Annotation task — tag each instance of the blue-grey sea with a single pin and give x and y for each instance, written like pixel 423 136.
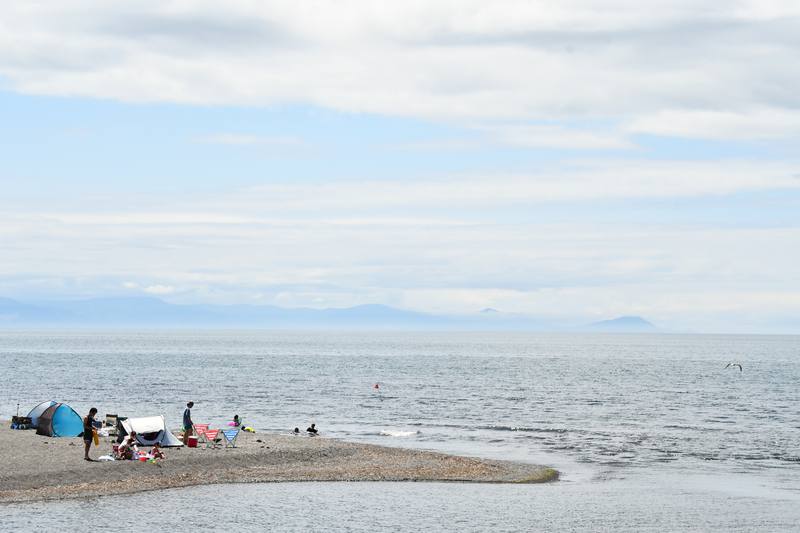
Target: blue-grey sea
pixel 650 432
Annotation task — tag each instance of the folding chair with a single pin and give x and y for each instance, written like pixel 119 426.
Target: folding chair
pixel 198 430
pixel 229 437
pixel 210 438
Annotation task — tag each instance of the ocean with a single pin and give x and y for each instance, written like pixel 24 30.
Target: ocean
pixel 649 432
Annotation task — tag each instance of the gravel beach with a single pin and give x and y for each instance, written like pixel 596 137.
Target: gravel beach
pixel 41 468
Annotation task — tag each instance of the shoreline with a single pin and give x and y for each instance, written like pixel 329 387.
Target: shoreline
pixel 38 468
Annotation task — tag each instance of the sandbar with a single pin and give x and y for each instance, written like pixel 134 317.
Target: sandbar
pixel 34 468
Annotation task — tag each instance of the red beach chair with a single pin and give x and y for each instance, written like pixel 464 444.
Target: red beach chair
pixel 210 437
pixel 199 429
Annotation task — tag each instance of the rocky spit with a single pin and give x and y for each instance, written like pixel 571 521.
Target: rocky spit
pixel 33 467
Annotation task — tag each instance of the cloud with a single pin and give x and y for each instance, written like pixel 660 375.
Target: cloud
pixel 159 289
pixel 452 246
pixel 578 181
pixel 548 136
pixel 681 276
pixel 687 62
pixel 762 123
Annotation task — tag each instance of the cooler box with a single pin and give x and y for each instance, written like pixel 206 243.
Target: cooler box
pixel 192 442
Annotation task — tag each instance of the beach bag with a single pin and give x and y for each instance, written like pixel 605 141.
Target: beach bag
pixel 21 422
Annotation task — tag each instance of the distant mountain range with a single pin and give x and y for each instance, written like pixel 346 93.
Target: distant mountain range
pixel 152 312
pixel 623 324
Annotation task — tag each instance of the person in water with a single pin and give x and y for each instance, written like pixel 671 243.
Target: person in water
pixel 236 421
pixel 88 433
pixel 296 431
pixel 312 430
pixel 187 422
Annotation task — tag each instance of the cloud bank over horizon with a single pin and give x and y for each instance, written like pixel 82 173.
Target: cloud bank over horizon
pixel 564 160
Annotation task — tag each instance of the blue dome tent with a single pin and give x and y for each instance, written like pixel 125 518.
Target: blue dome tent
pixel 60 420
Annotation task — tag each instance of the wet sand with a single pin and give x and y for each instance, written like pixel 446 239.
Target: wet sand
pixel 41 468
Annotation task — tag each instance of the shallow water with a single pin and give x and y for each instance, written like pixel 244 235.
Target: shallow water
pixel 643 506
pixel 646 429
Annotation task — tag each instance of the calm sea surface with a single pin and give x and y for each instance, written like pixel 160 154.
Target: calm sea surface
pixel 650 432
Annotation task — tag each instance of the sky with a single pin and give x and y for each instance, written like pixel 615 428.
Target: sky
pixel 568 160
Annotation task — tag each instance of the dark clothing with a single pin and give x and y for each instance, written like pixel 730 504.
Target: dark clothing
pixel 88 425
pixel 187 419
pixel 312 430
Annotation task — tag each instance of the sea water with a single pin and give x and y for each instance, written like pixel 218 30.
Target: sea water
pixel 650 432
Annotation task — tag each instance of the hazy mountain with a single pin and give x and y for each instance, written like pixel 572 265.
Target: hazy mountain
pixel 623 324
pixel 151 312
pixel 14 312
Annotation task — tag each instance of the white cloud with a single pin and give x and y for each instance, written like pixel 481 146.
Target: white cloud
pixel 521 60
pixel 432 201
pixel 443 201
pixel 579 181
pixel 490 257
pixel 763 123
pixel 683 277
pixel 160 289
pixel 548 136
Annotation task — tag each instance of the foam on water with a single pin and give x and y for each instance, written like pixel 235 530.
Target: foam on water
pixel 398 433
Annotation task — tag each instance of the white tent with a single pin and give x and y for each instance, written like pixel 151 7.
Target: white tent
pixel 150 430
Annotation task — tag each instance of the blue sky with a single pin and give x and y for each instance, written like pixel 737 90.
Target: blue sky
pixel 573 162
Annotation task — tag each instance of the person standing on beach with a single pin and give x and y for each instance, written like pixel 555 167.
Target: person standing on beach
pixel 88 432
pixel 187 423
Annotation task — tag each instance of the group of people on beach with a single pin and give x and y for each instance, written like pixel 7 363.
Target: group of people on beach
pixel 188 425
pixel 128 448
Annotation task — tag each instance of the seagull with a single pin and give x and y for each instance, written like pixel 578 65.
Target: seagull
pixel 734 364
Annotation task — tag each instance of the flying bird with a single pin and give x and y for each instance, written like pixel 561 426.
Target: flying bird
pixel 734 364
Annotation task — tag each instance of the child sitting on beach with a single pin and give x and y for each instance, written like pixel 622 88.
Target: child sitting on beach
pixel 156 452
